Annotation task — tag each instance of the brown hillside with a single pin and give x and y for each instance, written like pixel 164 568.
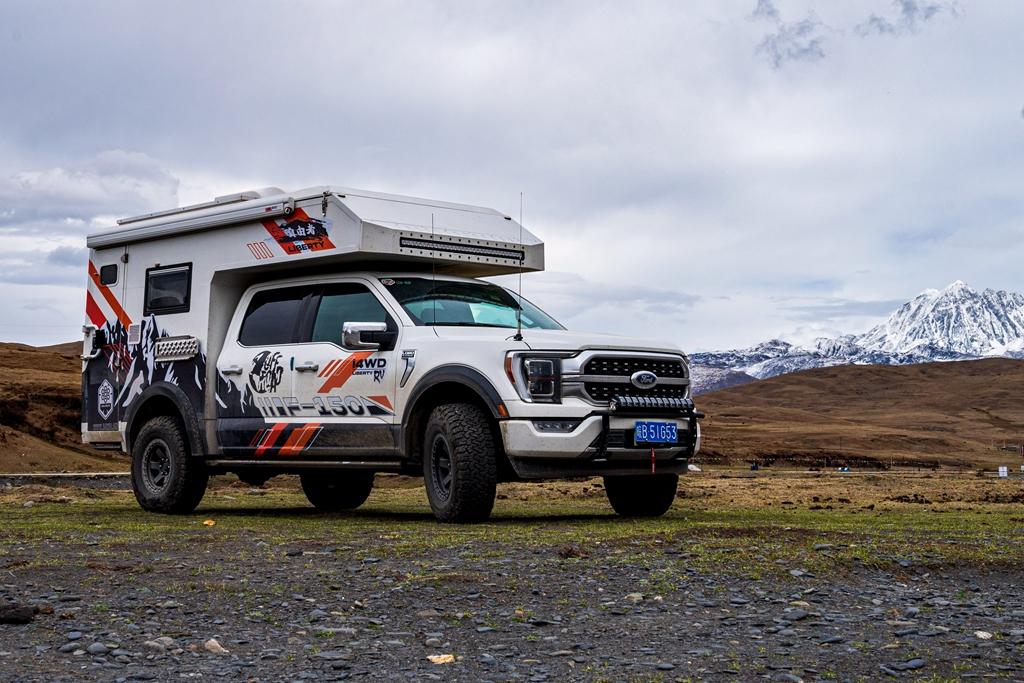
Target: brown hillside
pixel 940 413
pixel 40 412
pixel 947 413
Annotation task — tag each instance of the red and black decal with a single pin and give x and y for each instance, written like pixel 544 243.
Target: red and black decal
pixel 294 438
pixel 299 233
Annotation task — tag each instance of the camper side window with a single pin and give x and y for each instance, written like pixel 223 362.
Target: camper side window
pixel 168 289
pixel 272 317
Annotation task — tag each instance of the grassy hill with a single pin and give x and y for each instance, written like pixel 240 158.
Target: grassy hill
pixel 40 412
pixel 945 413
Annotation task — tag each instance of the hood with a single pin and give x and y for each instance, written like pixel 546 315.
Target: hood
pixel 557 340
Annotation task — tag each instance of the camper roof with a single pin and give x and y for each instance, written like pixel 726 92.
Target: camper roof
pixel 376 223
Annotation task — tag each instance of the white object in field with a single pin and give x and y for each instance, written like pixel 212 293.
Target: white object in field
pixel 693 468
pixel 1004 471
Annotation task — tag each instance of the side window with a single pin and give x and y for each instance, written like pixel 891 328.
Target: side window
pixel 168 289
pixel 346 303
pixel 272 317
pixel 108 274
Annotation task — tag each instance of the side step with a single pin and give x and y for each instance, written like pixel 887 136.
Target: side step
pixel 287 466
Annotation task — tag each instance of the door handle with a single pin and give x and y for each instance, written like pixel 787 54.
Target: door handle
pixel 232 370
pixel 307 367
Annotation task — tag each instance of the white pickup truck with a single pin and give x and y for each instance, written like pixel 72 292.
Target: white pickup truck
pixel 348 336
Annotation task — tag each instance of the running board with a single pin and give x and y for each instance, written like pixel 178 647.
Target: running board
pixel 288 465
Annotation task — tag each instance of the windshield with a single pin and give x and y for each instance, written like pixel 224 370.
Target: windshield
pixel 472 304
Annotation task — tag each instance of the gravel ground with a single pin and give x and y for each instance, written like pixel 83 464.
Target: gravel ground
pixel 258 587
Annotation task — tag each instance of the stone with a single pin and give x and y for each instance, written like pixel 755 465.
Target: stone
pixel 97 649
pixel 214 647
pixel 786 677
pixel 16 614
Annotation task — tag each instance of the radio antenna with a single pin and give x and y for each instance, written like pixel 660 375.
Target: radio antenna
pixel 433 271
pixel 522 257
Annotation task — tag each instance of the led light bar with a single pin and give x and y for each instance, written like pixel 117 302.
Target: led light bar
pixel 459 248
pixel 653 402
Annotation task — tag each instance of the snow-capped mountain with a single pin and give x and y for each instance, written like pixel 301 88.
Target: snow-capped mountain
pixel 956 323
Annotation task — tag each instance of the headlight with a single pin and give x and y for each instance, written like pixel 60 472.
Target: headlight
pixel 537 378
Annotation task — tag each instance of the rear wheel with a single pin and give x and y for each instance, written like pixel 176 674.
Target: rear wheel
pixel 460 469
pixel 165 476
pixel 337 491
pixel 642 495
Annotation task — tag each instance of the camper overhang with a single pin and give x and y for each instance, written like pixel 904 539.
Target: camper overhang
pixel 369 225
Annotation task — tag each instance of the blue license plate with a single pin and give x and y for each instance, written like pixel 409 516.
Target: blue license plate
pixel 654 432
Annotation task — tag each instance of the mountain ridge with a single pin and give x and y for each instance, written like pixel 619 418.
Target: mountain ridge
pixel 955 323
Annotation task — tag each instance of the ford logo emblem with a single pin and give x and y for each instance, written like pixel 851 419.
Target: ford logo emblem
pixel 643 379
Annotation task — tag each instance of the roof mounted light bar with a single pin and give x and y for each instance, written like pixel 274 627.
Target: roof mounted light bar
pixel 462 248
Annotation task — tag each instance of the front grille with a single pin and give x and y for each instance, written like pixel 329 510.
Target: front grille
pixel 602 392
pixel 624 367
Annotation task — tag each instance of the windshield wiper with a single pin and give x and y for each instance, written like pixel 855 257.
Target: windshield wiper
pixel 464 324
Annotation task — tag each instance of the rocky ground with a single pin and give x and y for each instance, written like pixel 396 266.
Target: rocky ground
pixel 778 578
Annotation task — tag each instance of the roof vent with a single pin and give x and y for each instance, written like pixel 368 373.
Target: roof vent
pixel 247 195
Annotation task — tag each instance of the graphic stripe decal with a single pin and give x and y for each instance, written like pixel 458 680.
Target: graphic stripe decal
pixel 341 372
pixel 383 400
pixel 311 433
pixel 115 305
pixel 296 443
pixel 92 310
pixel 271 438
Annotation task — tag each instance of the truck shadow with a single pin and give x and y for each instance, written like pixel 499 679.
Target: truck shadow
pixel 396 516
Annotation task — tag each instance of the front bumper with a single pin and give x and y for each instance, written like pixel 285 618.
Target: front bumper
pixel 601 443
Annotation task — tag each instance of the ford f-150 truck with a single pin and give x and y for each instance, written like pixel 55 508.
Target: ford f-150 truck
pixel 335 333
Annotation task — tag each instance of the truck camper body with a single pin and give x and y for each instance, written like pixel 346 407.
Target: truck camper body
pixel 335 333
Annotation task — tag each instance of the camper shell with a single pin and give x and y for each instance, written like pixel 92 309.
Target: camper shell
pixel 170 292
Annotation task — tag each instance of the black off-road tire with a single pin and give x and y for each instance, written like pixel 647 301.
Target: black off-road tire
pixel 166 477
pixel 337 491
pixel 460 468
pixel 641 495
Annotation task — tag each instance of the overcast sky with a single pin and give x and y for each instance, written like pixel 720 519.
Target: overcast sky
pixel 713 173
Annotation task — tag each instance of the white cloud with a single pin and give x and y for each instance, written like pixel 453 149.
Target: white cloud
pixel 688 187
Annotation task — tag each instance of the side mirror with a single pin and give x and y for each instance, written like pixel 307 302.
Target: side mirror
pixel 364 336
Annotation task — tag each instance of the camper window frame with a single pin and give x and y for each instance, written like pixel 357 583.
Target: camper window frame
pixel 168 310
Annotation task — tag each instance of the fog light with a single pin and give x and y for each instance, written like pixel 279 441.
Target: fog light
pixel 556 426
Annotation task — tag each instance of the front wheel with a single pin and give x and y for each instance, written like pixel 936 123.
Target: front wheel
pixel 460 468
pixel 165 477
pixel 641 495
pixel 337 491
